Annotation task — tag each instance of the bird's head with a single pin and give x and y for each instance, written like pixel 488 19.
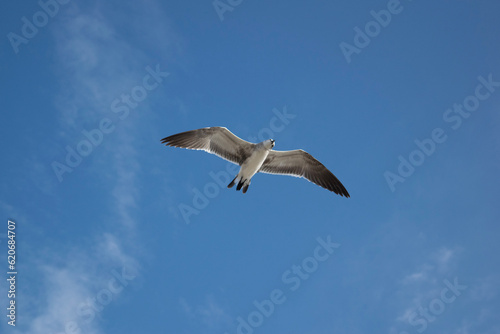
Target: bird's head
pixel 269 144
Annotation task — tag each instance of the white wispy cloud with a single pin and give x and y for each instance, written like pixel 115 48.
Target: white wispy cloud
pixel 69 287
pixel 210 314
pixel 439 262
pixel 486 288
pixel 70 283
pixel 425 283
pixel 421 275
pixel 95 63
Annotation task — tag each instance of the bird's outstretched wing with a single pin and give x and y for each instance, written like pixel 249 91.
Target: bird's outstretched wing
pixel 299 163
pixel 216 140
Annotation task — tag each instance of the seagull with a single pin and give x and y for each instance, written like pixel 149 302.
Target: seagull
pixel 254 158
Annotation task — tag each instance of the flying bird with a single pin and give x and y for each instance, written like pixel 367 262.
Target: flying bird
pixel 254 158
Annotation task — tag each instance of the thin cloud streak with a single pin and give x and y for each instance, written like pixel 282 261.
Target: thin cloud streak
pixel 94 65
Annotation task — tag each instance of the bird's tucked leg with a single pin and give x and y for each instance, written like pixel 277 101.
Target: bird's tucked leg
pixel 240 184
pixel 230 185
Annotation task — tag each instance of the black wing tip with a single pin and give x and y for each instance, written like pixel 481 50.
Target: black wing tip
pixel 334 185
pixel 168 141
pixel 340 190
pixel 171 138
pixel 177 139
pixel 343 193
pixel 174 139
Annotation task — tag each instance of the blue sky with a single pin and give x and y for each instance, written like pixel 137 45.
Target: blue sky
pixel 407 119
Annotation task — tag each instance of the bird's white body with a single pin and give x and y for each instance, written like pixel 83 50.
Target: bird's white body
pixel 253 164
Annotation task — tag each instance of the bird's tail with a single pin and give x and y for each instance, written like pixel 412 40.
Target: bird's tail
pixel 241 184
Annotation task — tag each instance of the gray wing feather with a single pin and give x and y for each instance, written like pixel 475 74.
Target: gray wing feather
pixel 299 163
pixel 217 140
